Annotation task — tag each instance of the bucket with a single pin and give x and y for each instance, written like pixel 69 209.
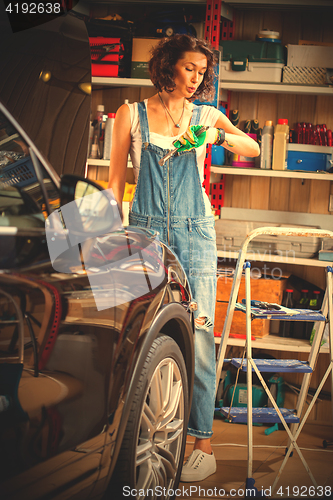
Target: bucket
pixel 243 161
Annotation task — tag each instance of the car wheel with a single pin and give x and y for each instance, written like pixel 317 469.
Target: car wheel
pixel 153 446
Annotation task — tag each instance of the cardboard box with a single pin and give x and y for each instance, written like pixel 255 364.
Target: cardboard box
pixel 259 327
pixel 312 56
pixel 266 290
pixel 141 52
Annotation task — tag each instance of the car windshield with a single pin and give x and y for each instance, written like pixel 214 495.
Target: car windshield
pixel 22 202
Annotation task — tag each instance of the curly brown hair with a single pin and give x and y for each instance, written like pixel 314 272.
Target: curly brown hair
pixel 165 56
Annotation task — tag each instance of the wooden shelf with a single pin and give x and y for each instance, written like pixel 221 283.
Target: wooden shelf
pixel 104 163
pixel 275 343
pixel 279 88
pixel 121 82
pixel 259 172
pixel 98 163
pixel 275 259
pixel 241 86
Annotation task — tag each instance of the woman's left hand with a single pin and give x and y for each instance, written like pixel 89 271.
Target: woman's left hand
pixel 190 139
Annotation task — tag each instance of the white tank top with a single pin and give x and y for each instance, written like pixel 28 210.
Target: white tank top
pixel 209 116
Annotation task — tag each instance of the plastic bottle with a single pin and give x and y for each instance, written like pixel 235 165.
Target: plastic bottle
pixel 108 135
pixel 314 306
pixel 300 326
pixel 95 151
pixel 286 327
pixel 280 152
pixel 100 113
pixel 102 135
pixel 99 118
pixel 267 145
pixel 91 137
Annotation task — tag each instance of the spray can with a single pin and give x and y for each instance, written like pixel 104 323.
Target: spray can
pixel 280 152
pixel 267 145
pixel 108 136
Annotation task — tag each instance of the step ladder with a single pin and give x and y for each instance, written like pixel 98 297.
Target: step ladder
pixel 249 365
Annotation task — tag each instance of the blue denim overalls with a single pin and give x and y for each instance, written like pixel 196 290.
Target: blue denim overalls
pixel 169 199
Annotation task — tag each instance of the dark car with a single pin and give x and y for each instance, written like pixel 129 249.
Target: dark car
pixel 96 326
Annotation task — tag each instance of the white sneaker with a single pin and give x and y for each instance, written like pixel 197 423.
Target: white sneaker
pixel 198 466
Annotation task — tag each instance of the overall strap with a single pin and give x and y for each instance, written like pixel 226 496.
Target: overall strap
pixel 143 122
pixel 196 115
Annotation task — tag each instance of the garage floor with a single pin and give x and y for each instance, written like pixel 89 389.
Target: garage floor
pixel 230 447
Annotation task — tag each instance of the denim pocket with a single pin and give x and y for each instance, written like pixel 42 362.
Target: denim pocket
pixel 207 232
pixel 203 254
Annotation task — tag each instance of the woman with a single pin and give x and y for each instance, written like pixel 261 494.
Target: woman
pixel 170 198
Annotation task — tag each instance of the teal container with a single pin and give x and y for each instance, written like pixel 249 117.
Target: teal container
pixel 217 155
pixel 247 51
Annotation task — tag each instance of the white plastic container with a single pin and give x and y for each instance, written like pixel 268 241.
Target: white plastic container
pixel 108 136
pixel 266 151
pixel 254 72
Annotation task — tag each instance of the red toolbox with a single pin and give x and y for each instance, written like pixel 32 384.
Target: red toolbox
pixel 107 55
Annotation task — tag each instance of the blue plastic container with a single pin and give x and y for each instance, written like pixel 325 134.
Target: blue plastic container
pixel 217 155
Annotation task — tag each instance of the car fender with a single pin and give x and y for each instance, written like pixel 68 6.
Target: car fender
pixel 182 334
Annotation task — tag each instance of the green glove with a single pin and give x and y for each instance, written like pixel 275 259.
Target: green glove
pixel 190 139
pixel 197 135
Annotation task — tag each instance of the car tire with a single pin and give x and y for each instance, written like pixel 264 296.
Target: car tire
pixel 153 446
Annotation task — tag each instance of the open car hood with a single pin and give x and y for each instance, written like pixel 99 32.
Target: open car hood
pixel 46 85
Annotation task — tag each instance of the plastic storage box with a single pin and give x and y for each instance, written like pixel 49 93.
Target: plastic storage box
pixel 306 76
pixel 309 158
pixel 251 61
pixel 106 54
pixel 230 235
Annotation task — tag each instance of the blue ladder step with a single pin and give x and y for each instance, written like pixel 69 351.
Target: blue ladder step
pixel 275 365
pixel 283 313
pixel 264 415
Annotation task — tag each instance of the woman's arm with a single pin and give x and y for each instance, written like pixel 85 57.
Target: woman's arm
pixel 120 146
pixel 237 141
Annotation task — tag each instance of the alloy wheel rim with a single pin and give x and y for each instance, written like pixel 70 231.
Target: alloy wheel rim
pixel 161 430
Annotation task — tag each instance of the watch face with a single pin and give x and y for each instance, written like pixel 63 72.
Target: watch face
pixel 169 31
